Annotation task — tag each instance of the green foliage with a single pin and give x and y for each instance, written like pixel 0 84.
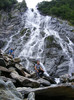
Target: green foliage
pixel 4 4
pixel 59 8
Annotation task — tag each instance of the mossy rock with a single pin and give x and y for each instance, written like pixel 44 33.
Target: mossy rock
pixel 23 31
pixel 51 42
pixel 72 30
pixel 50 39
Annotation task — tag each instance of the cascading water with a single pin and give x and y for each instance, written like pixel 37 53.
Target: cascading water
pixel 31 44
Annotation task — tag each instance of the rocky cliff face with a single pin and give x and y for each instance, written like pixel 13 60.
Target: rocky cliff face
pixel 10 22
pixel 33 36
pixel 57 52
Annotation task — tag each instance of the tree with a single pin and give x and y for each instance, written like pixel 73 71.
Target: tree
pixel 60 8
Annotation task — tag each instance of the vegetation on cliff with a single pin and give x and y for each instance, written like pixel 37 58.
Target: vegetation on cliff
pixel 59 8
pixel 4 4
pixel 7 4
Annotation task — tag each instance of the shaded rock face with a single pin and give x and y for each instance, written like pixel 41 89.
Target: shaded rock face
pixel 8 91
pixel 57 61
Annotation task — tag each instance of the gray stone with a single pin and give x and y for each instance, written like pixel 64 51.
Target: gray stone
pixel 4 69
pixel 31 96
pixel 7 79
pixel 44 82
pixel 24 81
pixel 62 68
pixel 71 79
pixel 64 78
pixel 17 60
pixel 8 91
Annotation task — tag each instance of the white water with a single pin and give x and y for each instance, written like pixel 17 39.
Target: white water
pixel 34 46
pixel 10 41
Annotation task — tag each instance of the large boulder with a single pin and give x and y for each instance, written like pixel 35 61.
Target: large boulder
pixel 59 92
pixel 8 60
pixel 62 68
pixel 2 62
pixel 17 60
pixel 44 82
pixel 25 81
pixel 8 91
pixel 20 70
pixel 5 71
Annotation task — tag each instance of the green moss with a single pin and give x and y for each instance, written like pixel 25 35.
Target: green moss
pixel 61 22
pixel 10 16
pixel 72 31
pixel 70 23
pixel 28 31
pixel 50 39
pixel 23 31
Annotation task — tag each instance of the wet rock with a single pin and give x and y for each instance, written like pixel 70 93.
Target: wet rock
pixel 8 91
pixel 31 96
pixel 50 79
pixel 71 79
pixel 44 82
pixel 64 78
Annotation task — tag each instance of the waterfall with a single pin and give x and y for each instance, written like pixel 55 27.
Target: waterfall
pixel 31 44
